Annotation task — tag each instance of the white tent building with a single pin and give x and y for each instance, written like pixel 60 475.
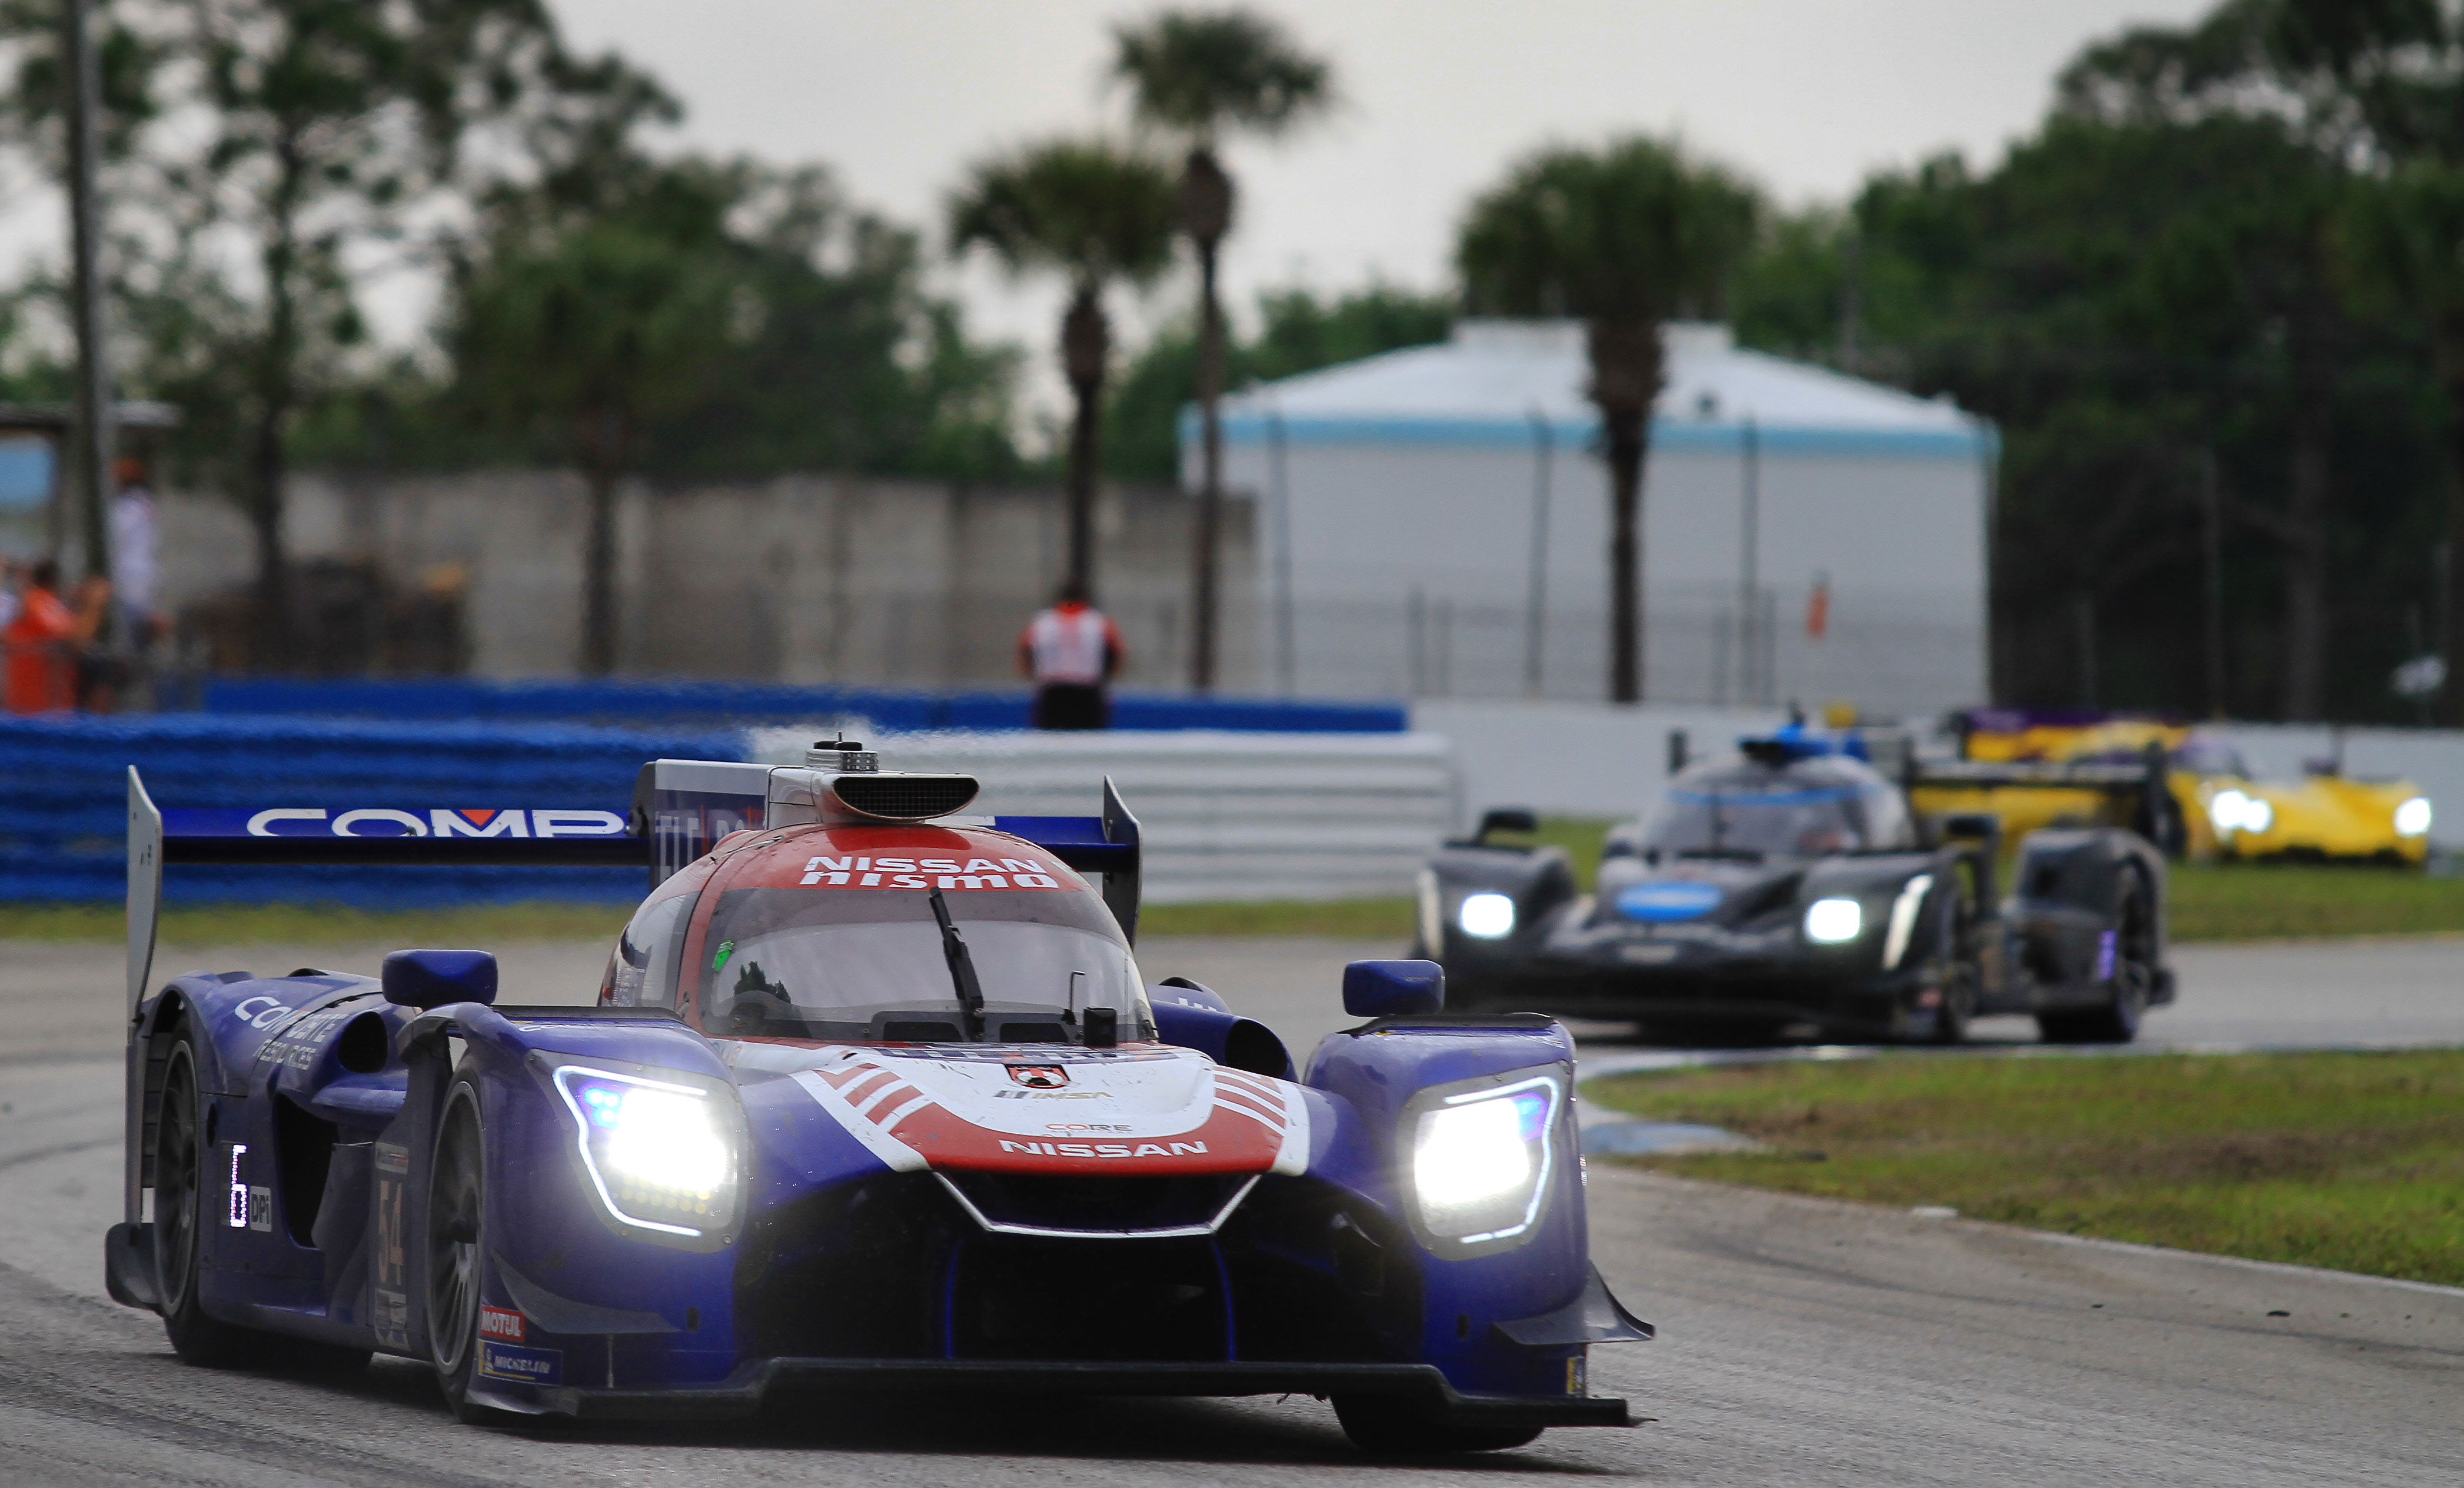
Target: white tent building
pixel 1434 521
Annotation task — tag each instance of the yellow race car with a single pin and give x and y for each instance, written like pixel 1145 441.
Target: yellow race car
pixel 2219 811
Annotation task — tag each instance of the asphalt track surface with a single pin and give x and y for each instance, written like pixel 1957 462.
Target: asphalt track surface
pixel 1801 1342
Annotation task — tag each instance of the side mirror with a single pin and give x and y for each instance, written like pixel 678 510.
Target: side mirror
pixel 1393 989
pixel 1970 826
pixel 1506 818
pixel 434 978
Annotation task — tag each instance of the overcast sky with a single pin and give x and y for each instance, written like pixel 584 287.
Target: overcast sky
pixel 1439 97
pixel 1805 95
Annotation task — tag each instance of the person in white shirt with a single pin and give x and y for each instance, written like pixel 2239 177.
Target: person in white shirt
pixel 135 536
pixel 1070 651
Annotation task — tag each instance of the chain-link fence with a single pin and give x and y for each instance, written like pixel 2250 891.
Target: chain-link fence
pixel 1885 653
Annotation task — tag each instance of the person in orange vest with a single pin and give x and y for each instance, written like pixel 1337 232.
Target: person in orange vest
pixel 41 644
pixel 1071 652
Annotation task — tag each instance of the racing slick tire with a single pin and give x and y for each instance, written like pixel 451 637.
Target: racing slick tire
pixel 1384 1426
pixel 1954 934
pixel 181 1144
pixel 2134 978
pixel 454 1238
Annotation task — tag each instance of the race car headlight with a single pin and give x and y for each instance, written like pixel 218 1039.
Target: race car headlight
pixel 2233 811
pixel 662 1155
pixel 2412 818
pixel 1481 1162
pixel 1833 922
pixel 2224 809
pixel 1487 916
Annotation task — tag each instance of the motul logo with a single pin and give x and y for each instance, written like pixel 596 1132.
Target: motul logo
pixel 502 1324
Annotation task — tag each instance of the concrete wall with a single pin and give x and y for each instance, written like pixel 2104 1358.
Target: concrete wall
pixel 801 578
pixel 1408 571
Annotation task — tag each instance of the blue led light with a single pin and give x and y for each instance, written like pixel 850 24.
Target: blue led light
pixel 1531 1111
pixel 607 1106
pixel 1668 900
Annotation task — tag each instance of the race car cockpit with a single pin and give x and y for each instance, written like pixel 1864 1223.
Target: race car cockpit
pixel 1750 810
pixel 788 963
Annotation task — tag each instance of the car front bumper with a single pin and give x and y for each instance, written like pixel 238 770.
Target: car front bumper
pixel 1617 978
pixel 745 1392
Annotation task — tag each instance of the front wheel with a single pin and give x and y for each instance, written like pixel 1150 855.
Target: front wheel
pixel 1387 1426
pixel 456 1226
pixel 1955 933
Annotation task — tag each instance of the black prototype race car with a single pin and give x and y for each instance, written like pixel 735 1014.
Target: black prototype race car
pixel 1792 884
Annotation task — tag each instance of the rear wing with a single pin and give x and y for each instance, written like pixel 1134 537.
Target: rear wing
pixel 361 837
pixel 2140 784
pixel 684 806
pixel 680 809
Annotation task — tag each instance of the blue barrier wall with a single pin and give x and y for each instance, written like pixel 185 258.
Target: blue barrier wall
pixel 673 703
pixel 63 799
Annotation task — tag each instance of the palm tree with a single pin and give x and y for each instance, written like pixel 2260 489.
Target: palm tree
pixel 1624 238
pixel 1092 214
pixel 587 329
pixel 2403 240
pixel 1200 77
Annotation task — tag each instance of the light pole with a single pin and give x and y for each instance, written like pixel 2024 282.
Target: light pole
pixel 1535 619
pixel 94 407
pixel 1748 566
pixel 1286 664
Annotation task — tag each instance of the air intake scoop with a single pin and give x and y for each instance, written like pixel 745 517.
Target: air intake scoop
pixel 847 799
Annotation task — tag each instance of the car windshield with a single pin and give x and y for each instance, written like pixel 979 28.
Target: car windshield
pixel 1806 810
pixel 827 963
pixel 2206 757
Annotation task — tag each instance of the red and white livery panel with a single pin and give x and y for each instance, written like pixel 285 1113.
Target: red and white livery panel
pixel 1148 1109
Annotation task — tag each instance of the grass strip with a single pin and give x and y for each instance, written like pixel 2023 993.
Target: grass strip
pixel 1347 919
pixel 2209 902
pixel 2268 900
pixel 322 925
pixel 2354 1162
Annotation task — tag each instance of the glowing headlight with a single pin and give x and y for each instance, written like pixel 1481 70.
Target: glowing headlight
pixel 2412 818
pixel 2224 809
pixel 1480 1160
pixel 1487 916
pixel 2232 811
pixel 661 1155
pixel 1832 922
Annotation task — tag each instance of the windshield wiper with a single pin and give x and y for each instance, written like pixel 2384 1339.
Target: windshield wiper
pixel 962 967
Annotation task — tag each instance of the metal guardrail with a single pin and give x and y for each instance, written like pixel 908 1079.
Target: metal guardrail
pixel 1223 815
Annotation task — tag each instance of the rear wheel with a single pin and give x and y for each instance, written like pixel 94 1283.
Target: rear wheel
pixel 180 1188
pixel 2133 979
pixel 1387 1426
pixel 185 1207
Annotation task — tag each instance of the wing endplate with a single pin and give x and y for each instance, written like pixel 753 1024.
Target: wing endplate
pixel 1106 845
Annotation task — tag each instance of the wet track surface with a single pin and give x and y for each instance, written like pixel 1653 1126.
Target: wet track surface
pixel 1801 1342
